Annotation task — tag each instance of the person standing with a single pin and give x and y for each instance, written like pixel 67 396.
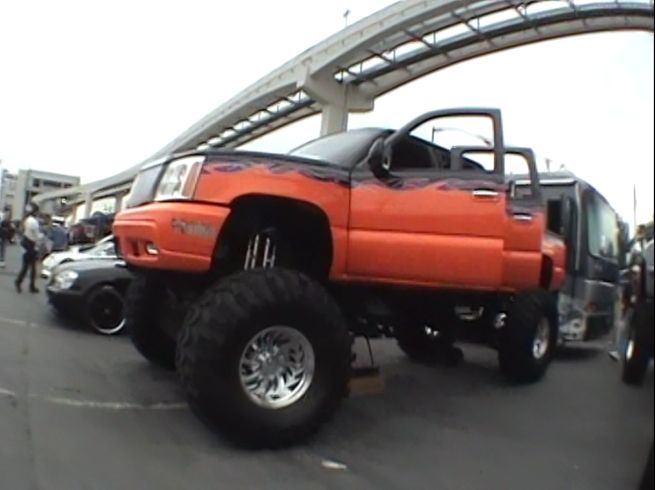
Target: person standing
pixel 31 237
pixel 6 232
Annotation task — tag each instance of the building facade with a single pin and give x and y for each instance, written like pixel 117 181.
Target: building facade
pixel 7 191
pixel 29 183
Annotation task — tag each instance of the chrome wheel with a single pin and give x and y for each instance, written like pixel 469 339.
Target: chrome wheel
pixel 541 342
pixel 277 367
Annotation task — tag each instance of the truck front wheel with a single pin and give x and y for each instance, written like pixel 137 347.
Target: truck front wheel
pixel 529 337
pixel 264 356
pixel 143 314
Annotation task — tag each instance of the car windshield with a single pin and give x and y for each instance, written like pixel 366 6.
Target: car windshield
pixel 341 149
pixel 103 247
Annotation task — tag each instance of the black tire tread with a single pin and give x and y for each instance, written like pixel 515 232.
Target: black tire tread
pixel 141 322
pixel 213 321
pixel 514 351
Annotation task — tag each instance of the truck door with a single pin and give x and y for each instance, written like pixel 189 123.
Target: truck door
pixel 525 225
pixel 420 221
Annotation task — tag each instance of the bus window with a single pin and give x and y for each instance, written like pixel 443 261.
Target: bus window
pixel 602 228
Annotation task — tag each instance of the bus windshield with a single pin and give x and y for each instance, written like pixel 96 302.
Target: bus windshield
pixel 602 228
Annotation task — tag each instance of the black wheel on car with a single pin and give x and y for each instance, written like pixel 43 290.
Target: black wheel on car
pixel 143 304
pixel 264 357
pixel 105 310
pixel 528 339
pixel 638 349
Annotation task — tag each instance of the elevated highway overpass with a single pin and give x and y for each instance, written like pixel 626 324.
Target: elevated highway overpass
pixel 347 71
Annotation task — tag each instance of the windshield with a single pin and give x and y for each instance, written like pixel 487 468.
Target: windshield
pixel 104 247
pixel 340 149
pixel 602 228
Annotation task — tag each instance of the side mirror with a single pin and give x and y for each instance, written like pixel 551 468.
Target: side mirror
pixel 378 159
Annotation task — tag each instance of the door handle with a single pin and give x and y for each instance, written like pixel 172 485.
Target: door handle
pixel 484 193
pixel 525 217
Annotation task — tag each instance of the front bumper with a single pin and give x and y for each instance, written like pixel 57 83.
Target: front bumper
pixel 175 236
pixel 66 300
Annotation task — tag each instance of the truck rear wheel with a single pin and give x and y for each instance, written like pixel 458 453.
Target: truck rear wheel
pixel 142 320
pixel 529 338
pixel 638 349
pixel 264 356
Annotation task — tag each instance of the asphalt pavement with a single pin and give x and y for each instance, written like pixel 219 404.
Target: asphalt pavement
pixel 80 411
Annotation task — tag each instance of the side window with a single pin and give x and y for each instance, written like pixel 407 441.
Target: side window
pixel 517 172
pixel 429 145
pixel 462 131
pixel 412 154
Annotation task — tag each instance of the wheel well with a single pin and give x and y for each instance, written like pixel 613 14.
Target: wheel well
pixel 304 227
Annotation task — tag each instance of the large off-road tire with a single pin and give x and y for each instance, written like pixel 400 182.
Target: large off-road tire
pixel 529 338
pixel 143 304
pixel 638 349
pixel 257 325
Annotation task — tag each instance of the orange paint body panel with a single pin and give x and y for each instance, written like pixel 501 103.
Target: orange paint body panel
pixel 184 234
pixel 222 186
pixel 424 259
pixel 375 207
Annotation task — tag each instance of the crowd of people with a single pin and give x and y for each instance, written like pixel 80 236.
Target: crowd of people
pixel 39 235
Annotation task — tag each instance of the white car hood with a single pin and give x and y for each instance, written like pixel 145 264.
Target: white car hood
pixel 53 260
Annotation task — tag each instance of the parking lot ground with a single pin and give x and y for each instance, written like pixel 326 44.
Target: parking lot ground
pixel 80 411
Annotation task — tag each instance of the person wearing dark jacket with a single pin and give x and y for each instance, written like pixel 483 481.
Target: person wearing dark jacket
pixel 6 233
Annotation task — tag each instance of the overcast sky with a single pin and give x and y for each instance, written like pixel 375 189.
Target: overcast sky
pixel 90 88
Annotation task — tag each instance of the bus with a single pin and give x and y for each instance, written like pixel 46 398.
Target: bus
pixel 575 209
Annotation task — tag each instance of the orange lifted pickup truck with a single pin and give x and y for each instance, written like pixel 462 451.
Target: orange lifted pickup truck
pixel 255 271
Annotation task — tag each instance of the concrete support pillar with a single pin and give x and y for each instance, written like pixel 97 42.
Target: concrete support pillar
pixel 88 203
pixel 336 101
pixel 334 119
pixel 118 203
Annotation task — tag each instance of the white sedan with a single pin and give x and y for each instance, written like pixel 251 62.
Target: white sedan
pixel 104 249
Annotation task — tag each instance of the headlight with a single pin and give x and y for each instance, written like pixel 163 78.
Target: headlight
pixel 180 178
pixel 48 262
pixel 65 279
